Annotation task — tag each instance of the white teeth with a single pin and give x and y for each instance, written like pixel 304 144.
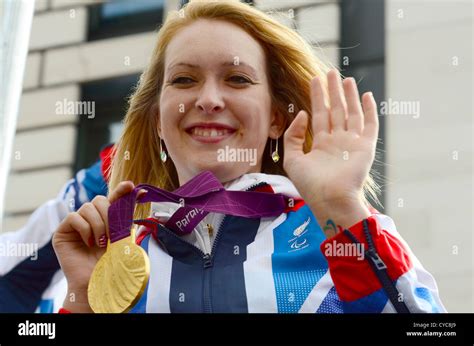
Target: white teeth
pixel 205 132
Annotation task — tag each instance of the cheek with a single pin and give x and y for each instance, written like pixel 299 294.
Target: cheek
pixel 172 109
pixel 255 117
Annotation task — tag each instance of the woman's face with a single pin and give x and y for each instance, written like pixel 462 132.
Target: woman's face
pixel 215 105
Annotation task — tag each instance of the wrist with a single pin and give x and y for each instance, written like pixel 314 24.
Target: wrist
pixel 76 301
pixel 339 214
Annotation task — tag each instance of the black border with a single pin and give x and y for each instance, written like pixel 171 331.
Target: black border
pixel 240 329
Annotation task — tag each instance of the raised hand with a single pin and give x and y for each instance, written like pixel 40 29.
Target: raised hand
pixel 330 177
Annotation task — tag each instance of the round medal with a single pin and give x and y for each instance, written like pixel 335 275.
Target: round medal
pixel 119 278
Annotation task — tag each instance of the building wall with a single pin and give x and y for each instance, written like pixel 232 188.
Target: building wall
pixel 429 158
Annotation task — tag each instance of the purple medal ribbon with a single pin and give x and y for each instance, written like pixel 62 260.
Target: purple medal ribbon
pixel 199 196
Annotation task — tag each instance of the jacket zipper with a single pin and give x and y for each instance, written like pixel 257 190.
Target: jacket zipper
pixel 207 258
pixel 207 261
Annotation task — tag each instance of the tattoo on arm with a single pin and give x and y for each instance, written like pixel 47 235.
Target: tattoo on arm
pixel 331 229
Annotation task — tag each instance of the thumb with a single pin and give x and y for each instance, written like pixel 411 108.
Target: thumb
pixel 122 189
pixel 295 135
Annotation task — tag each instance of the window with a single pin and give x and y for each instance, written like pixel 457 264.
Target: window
pixel 113 18
pixel 110 102
pixel 124 17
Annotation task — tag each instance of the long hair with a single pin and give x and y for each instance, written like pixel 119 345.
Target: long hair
pixel 291 64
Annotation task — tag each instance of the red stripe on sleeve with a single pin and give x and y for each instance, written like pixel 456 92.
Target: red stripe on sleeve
pixel 351 273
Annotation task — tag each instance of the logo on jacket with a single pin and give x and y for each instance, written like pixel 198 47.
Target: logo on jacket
pixel 299 231
pixel 297 242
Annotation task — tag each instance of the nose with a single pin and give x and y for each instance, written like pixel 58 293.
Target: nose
pixel 210 100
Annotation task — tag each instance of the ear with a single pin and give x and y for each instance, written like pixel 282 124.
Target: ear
pixel 277 124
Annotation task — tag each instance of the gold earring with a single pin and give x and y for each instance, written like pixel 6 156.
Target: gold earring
pixel 163 155
pixel 274 154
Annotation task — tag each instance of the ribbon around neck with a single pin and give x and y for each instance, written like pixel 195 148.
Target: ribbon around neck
pixel 199 196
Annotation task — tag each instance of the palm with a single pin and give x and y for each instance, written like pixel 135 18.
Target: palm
pixel 77 259
pixel 343 145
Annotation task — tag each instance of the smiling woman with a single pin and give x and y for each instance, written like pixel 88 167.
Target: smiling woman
pixel 225 103
pixel 225 76
pixel 211 65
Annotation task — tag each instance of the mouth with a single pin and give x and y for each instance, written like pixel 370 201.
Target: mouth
pixel 210 132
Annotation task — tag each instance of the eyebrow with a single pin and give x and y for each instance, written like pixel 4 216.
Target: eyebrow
pixel 225 64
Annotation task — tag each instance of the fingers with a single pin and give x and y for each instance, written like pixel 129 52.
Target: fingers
pixel 345 110
pixel 354 109
pixel 91 215
pixel 122 189
pixel 337 101
pixel 294 136
pixel 318 107
pixel 371 121
pixel 90 222
pixel 74 223
pixel 102 205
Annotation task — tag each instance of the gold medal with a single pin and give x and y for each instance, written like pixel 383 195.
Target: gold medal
pixel 120 277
